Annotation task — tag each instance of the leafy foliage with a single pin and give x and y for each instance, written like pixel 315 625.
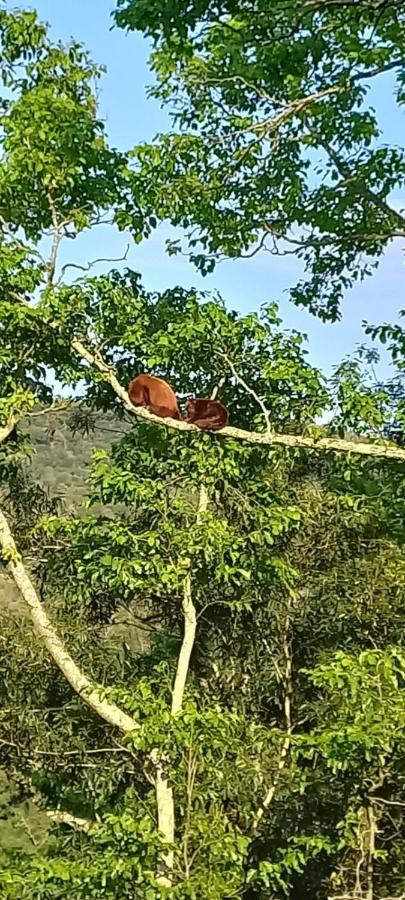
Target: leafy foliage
pixel 285 758
pixel 273 143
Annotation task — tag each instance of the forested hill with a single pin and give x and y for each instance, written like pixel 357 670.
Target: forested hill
pixel 61 459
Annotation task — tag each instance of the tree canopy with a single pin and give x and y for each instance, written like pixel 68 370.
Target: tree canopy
pixel 202 687
pixel 276 144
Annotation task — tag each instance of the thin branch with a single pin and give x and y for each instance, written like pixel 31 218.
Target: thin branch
pixel 56 239
pixel 297 106
pixel 371 73
pixel 288 108
pixel 325 240
pixel 56 407
pixel 345 172
pixel 285 749
pixel 388 802
pixel 94 262
pixel 26 248
pixel 250 391
pixel 218 387
pixel 90 693
pixel 371 835
pixel 260 246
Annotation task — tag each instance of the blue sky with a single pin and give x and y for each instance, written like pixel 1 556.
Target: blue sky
pixel 130 118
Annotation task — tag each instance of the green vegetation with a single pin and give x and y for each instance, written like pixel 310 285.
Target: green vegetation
pixel 59 461
pixel 276 142
pixel 207 698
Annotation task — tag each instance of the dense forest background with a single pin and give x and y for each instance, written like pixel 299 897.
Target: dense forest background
pixel 202 662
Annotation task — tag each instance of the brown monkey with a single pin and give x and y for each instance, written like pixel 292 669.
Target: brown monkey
pixel 207 413
pixel 155 394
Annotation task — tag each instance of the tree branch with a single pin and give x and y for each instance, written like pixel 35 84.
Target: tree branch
pixel 345 172
pixel 165 816
pixel 378 451
pixel 91 695
pixel 60 817
pixel 6 430
pixel 189 610
pixel 190 622
pixel 371 835
pixel 164 792
pixel 20 245
pixel 56 239
pixel 56 407
pixel 94 262
pixel 251 392
pixel 47 634
pixel 291 441
pixel 285 749
pixel 379 70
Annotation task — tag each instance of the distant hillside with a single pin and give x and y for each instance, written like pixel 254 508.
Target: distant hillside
pixel 61 462
pixel 61 459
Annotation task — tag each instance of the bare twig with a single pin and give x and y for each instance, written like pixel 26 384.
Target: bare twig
pixel 94 262
pixel 250 391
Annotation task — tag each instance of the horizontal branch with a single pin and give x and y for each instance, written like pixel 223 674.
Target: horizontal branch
pixel 355 896
pixel 59 817
pixel 90 693
pixel 291 441
pixel 287 109
pixel 380 70
pixel 93 262
pixel 56 407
